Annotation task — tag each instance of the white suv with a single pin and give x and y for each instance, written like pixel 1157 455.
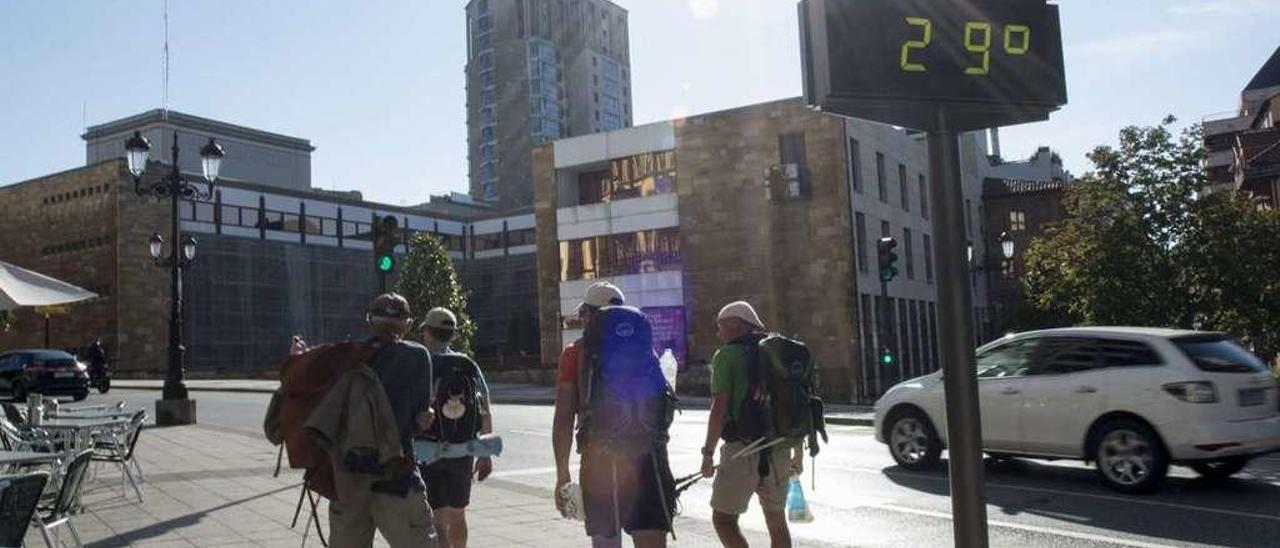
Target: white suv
pixel 1133 400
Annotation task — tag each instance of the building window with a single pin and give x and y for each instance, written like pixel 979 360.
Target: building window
pixel 792 157
pixel 855 164
pixel 1007 268
pixel 884 191
pixel 620 254
pixel 884 229
pixel 860 235
pixel 928 259
pixel 630 177
pixel 1017 220
pixel 902 185
pixel 910 256
pixel 968 217
pixel 924 197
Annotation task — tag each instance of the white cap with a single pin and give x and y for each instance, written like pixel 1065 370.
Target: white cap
pixel 602 294
pixel 441 318
pixel 741 310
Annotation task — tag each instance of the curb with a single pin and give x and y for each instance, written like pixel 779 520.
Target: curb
pixel 242 390
pixel 506 400
pixel 851 421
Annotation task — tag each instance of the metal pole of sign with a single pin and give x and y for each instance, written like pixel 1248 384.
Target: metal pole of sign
pixel 955 334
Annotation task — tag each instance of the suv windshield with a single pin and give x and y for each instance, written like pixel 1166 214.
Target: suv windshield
pixel 1218 354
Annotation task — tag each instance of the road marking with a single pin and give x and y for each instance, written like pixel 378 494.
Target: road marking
pixel 527 432
pixel 1180 506
pixel 1105 539
pixel 530 472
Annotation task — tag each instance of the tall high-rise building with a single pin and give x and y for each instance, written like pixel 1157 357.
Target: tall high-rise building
pixel 537 71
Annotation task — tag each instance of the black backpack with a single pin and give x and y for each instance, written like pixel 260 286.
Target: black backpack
pixel 458 400
pixel 628 407
pixel 780 400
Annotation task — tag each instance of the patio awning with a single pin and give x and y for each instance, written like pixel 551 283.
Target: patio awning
pixel 20 288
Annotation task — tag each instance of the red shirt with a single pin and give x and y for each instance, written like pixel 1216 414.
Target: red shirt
pixel 568 370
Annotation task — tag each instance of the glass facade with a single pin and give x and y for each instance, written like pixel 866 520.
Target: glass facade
pixel 610 97
pixel 620 254
pixel 546 123
pixel 631 177
pixel 482 52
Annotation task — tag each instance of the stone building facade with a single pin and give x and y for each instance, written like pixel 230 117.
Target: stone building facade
pixel 1025 210
pixel 755 203
pixel 85 226
pixel 270 263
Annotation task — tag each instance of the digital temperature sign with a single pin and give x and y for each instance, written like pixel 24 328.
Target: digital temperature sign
pixel 986 62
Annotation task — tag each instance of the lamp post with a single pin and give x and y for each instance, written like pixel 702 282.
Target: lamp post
pixel 1006 249
pixel 174 407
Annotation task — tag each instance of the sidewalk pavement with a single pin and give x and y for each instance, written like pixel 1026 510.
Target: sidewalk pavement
pixel 519 394
pixel 211 487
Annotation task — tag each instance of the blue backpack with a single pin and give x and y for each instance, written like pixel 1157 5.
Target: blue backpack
pixel 628 407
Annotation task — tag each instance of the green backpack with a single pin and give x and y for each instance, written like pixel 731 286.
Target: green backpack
pixel 780 400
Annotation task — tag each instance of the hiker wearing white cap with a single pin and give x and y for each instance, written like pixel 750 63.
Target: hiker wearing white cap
pixel 463 412
pixel 764 474
pixel 634 504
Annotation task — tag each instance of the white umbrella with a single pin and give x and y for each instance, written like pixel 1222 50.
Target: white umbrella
pixel 20 287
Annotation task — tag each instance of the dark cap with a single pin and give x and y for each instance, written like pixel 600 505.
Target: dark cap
pixel 391 306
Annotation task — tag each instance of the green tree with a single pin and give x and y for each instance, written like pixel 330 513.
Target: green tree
pixel 1142 244
pixel 428 279
pixel 1230 260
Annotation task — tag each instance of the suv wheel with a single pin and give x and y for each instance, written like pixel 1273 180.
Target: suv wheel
pixel 1216 470
pixel 913 443
pixel 1130 457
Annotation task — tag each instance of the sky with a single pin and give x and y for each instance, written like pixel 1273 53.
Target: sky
pixel 378 85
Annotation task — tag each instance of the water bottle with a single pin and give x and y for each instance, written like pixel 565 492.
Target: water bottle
pixel 35 409
pixel 797 508
pixel 669 367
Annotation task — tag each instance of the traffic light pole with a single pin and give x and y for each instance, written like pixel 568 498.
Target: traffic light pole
pixel 886 335
pixel 955 334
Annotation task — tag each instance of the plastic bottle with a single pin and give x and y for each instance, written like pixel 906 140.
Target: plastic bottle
pixel 669 367
pixel 797 507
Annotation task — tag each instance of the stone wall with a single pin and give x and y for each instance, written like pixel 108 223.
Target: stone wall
pixel 544 212
pixel 790 258
pixel 62 225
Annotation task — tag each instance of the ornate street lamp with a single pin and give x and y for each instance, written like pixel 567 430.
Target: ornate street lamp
pixel 175 407
pixel 1006 245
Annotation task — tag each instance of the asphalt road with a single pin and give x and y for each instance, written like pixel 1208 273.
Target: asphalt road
pixel 862 499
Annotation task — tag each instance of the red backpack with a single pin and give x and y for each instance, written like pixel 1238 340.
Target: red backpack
pixel 304 381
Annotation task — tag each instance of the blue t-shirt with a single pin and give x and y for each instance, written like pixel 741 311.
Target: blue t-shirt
pixel 404 368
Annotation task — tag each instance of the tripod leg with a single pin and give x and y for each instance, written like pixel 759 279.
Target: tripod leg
pixel 315 516
pixel 298 511
pixel 279 461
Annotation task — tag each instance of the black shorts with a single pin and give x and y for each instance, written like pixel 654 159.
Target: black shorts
pixel 642 488
pixel 449 482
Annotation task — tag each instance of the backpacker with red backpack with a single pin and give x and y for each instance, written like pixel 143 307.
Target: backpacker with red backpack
pixel 305 379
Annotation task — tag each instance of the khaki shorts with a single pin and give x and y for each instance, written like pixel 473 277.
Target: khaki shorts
pixel 405 522
pixel 737 479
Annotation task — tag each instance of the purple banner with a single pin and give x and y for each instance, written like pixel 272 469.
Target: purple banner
pixel 668 330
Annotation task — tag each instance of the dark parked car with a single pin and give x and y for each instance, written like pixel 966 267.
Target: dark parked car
pixel 48 372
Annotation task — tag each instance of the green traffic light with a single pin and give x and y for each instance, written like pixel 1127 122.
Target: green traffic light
pixel 386 263
pixel 887 358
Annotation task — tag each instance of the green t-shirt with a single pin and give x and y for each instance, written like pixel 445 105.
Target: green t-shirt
pixel 729 376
